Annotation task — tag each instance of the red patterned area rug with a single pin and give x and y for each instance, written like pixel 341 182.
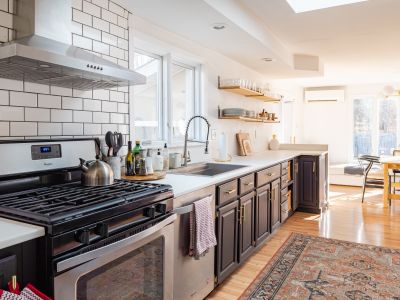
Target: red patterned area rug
pixel 308 267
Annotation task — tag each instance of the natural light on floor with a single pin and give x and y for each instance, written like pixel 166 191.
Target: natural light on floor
pixel 300 6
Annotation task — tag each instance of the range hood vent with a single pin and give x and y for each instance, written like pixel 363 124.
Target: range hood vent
pixel 42 52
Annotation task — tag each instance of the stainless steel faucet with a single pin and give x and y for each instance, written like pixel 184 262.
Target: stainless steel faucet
pixel 186 157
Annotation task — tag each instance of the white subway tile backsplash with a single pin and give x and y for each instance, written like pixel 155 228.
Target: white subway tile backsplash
pixel 37 114
pixel 91 9
pixel 6 19
pixel 72 129
pixel 49 101
pixel 49 129
pixel 72 103
pixel 23 99
pixel 123 108
pixel 92 129
pixel 123 63
pixel 115 8
pixel 82 94
pixel 117 96
pixel 77 28
pixel 101 117
pixel 101 94
pixel 108 127
pixel 10 113
pixel 81 17
pixel 101 24
pixel 117 52
pixel 4 129
pixel 91 33
pixel 4 97
pixel 14 85
pixel 117 118
pixel 117 30
pixel 58 115
pixel 55 90
pixel 23 129
pixel 77 4
pixel 83 116
pixel 81 42
pixel 101 47
pixel 102 3
pixel 42 111
pixel 92 105
pixel 108 106
pixel 123 22
pixel 109 39
pixel 109 16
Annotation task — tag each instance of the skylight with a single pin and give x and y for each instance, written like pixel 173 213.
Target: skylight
pixel 300 6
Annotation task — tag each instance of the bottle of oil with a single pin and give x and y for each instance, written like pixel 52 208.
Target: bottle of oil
pixel 136 153
pixel 129 161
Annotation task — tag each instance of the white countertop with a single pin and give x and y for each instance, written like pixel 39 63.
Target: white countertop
pixel 14 232
pixel 184 183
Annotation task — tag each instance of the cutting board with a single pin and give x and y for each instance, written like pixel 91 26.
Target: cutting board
pixel 155 176
pixel 243 146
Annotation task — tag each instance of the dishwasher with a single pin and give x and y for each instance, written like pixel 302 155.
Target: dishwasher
pixel 193 279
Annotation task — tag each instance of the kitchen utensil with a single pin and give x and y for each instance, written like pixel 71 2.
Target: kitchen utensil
pixel 96 173
pixel 108 139
pixel 115 163
pixel 240 137
pixel 118 142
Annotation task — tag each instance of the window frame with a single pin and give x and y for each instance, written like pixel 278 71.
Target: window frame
pixel 165 113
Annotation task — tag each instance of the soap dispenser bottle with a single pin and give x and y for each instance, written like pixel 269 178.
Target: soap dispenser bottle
pixel 158 161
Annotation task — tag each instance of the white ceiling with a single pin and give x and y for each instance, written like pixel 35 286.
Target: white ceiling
pixel 357 43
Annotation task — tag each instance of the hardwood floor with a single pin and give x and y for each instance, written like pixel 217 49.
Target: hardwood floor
pixel 346 219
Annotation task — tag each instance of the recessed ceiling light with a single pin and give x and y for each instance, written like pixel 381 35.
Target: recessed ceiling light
pixel 218 26
pixel 300 6
pixel 268 59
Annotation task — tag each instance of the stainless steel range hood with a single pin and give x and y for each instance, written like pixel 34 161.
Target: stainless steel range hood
pixel 42 52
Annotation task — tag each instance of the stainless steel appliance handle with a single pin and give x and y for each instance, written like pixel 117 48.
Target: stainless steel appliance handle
pixel 88 256
pixel 188 208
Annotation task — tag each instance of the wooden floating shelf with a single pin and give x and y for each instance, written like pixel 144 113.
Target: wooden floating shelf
pixel 247 119
pixel 247 93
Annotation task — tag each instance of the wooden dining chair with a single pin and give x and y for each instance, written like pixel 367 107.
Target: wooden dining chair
pixel 394 184
pixel 367 162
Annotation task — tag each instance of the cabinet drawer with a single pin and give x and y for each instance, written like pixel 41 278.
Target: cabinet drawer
pixel 227 191
pixel 284 180
pixel 246 184
pixel 284 211
pixel 284 195
pixel 268 175
pixel 285 167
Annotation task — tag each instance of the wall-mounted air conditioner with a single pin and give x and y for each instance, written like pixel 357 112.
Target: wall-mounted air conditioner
pixel 324 94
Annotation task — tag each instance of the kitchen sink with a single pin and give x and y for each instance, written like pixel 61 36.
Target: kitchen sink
pixel 205 169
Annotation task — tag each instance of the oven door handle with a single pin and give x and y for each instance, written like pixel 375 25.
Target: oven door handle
pixel 91 255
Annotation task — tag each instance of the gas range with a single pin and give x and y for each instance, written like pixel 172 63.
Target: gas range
pixel 82 223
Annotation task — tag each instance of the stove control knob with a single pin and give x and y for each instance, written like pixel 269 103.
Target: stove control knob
pixel 150 212
pixel 161 208
pixel 102 230
pixel 83 236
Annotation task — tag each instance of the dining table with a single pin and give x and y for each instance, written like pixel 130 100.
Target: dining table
pixel 389 163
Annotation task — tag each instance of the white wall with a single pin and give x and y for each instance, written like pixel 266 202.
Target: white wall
pixel 152 38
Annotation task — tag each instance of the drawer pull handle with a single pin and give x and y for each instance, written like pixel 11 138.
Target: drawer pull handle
pixel 271 174
pixel 286 195
pixel 248 183
pixel 230 191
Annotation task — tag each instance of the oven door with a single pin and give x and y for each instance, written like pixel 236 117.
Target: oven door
pixel 138 267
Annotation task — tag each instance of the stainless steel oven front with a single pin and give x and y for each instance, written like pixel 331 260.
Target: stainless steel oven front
pixel 137 267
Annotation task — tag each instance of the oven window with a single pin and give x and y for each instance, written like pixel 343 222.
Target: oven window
pixel 137 275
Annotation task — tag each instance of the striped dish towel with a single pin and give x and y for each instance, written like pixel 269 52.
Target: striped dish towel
pixel 202 231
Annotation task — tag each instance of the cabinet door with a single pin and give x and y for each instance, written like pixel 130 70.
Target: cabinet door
pixel 275 204
pixel 296 185
pixel 227 261
pixel 246 226
pixel 262 214
pixel 308 181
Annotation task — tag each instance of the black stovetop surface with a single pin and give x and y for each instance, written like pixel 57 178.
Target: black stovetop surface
pixel 69 201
